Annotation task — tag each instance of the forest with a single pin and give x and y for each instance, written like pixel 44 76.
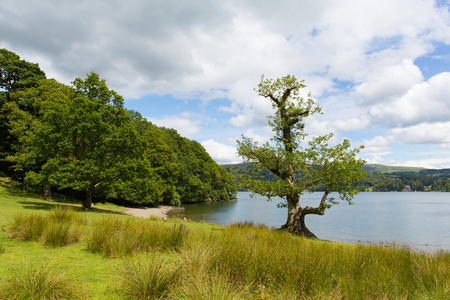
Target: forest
pixel 81 141
pixel 379 178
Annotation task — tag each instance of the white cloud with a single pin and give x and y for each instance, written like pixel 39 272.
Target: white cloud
pixel 377 146
pixel 393 81
pixel 352 123
pixel 424 133
pixel 183 124
pixel 430 163
pixel 221 153
pixel 357 56
pixel 424 102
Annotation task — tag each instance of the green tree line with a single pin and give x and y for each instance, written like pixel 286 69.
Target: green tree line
pixel 428 180
pixel 81 140
pixel 379 182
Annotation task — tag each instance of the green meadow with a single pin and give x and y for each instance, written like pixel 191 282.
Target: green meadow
pixel 51 249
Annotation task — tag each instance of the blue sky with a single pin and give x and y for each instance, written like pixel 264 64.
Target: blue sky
pixel 380 69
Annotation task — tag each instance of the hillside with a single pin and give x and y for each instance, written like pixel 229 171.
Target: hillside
pixel 377 168
pixel 374 168
pixel 381 178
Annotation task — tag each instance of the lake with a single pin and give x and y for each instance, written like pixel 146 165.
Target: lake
pixel 421 220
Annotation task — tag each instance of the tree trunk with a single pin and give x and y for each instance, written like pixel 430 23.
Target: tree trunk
pixel 296 221
pixel 87 204
pixel 46 191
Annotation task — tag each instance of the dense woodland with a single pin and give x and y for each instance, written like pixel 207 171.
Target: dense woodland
pixel 380 178
pixel 80 141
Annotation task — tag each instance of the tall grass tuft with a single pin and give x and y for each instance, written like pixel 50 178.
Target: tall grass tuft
pixel 117 236
pixel 45 282
pixel 65 215
pixel 60 227
pixel 202 286
pixel 61 234
pixel 148 277
pixel 28 227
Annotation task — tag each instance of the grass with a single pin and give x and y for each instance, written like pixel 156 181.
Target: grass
pixel 60 227
pixel 115 236
pixel 45 282
pixel 120 257
pixel 147 277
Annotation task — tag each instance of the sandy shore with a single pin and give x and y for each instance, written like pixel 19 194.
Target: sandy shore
pixel 148 212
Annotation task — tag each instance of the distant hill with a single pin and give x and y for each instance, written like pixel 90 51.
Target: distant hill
pixel 381 178
pixel 377 168
pixel 373 168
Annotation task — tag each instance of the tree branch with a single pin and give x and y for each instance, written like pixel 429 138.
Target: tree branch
pixel 320 210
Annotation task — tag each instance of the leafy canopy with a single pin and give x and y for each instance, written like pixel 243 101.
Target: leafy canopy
pixel 299 165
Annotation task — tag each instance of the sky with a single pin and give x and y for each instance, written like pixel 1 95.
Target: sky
pixel 380 69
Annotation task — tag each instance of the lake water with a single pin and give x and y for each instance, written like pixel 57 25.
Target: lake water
pixel 421 220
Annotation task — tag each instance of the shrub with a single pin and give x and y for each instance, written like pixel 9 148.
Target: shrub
pixel 45 282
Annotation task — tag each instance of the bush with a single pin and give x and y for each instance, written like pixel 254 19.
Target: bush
pixel 39 283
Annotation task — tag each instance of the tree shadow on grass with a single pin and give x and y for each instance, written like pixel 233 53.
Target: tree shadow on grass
pixel 13 190
pixel 37 205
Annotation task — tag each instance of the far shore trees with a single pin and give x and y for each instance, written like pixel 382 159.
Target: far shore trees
pixel 299 168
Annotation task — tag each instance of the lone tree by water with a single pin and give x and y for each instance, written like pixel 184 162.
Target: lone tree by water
pixel 299 166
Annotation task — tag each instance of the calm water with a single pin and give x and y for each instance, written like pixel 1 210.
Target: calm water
pixel 422 220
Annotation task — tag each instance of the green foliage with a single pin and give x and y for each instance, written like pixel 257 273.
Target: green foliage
pixel 298 167
pixel 81 139
pixel 15 75
pixel 199 177
pixel 46 282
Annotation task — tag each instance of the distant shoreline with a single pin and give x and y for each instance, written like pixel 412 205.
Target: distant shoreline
pixel 147 212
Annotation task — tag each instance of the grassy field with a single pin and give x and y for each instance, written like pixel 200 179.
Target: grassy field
pixel 108 255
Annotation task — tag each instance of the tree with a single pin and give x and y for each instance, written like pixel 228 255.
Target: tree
pixel 15 75
pixel 299 169
pixel 84 137
pixel 24 113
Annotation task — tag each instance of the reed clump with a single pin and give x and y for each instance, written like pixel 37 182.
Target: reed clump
pixel 150 276
pixel 45 282
pixel 118 236
pixel 60 227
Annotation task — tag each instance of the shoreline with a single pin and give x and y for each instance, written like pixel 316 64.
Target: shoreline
pixel 147 212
